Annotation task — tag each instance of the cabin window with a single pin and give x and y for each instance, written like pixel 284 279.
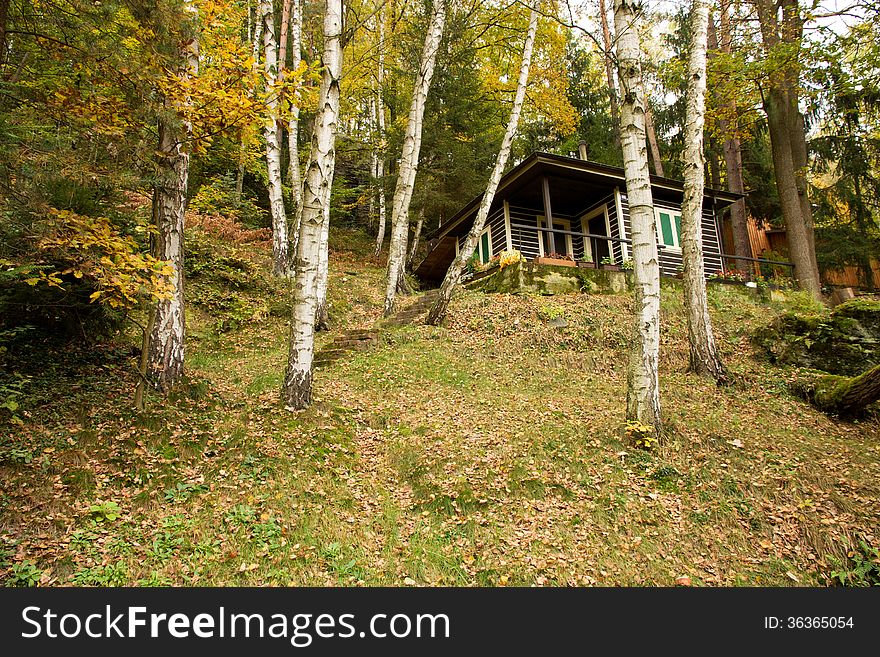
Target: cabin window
pixel 484 245
pixel 562 241
pixel 669 228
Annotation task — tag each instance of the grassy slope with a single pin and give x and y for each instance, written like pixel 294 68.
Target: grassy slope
pixel 485 452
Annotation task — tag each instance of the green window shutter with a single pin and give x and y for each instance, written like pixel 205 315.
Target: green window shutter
pixel 484 248
pixel 678 229
pixel 666 229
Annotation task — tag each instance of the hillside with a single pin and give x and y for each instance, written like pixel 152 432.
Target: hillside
pixel 484 452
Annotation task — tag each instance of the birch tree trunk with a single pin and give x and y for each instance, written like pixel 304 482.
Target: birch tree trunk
pixel 272 134
pixel 417 235
pixel 643 393
pixel 322 314
pixel 609 72
pixel 453 275
pixel 704 358
pixel 409 160
pixel 379 150
pixel 255 54
pixel 297 391
pixel 293 170
pixel 167 342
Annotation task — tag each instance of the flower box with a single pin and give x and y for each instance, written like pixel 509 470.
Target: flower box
pixel 559 262
pixel 588 264
pixel 611 267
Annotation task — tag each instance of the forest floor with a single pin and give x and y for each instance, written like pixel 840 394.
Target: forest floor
pixel 488 451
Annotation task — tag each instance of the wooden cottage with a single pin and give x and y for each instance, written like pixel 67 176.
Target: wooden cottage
pixel 551 204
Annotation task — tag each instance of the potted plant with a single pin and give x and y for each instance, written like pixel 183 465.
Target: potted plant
pixel 627 264
pixel 608 263
pixel 729 277
pixel 558 259
pixel 586 261
pixel 679 271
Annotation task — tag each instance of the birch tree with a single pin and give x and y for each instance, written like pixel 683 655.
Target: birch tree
pixel 417 235
pixel 294 174
pixel 272 134
pixel 167 341
pixel 643 393
pixel 297 390
pixel 453 275
pixel 379 148
pixel 704 358
pixel 409 160
pixel 256 39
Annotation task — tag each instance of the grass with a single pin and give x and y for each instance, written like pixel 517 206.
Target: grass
pixel 489 451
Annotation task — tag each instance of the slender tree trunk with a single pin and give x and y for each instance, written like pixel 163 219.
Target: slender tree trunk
pixel 255 54
pixel 704 357
pixel 453 275
pixel 293 169
pixel 167 343
pixel 379 149
pixel 652 140
pixel 297 391
pixel 609 72
pixel 272 134
pixel 417 235
pixel 409 160
pixel 322 314
pixel 732 151
pixel 168 339
pixel 643 391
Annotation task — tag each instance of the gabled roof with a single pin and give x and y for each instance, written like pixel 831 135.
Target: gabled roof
pixel 576 171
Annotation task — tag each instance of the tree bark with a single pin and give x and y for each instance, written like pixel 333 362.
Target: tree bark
pixel 409 160
pixel 417 235
pixel 297 390
pixel 840 395
pixel 379 149
pixel 272 134
pixel 652 140
pixel 255 54
pixel 293 169
pixel 453 275
pixel 322 314
pixel 643 391
pixel 704 357
pixel 167 343
pixel 787 138
pixel 609 72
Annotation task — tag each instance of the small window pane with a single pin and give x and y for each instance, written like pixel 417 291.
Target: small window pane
pixel 678 229
pixel 484 248
pixel 666 229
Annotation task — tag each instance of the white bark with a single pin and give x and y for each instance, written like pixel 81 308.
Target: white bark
pixel 450 281
pixel 643 394
pixel 379 149
pixel 272 134
pixel 255 58
pixel 322 314
pixel 293 170
pixel 167 342
pixel 297 390
pixel 409 160
pixel 704 358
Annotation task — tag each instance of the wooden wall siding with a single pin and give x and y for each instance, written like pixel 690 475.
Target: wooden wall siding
pixel 499 235
pixel 851 276
pixel 671 260
pixel 611 206
pixel 526 241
